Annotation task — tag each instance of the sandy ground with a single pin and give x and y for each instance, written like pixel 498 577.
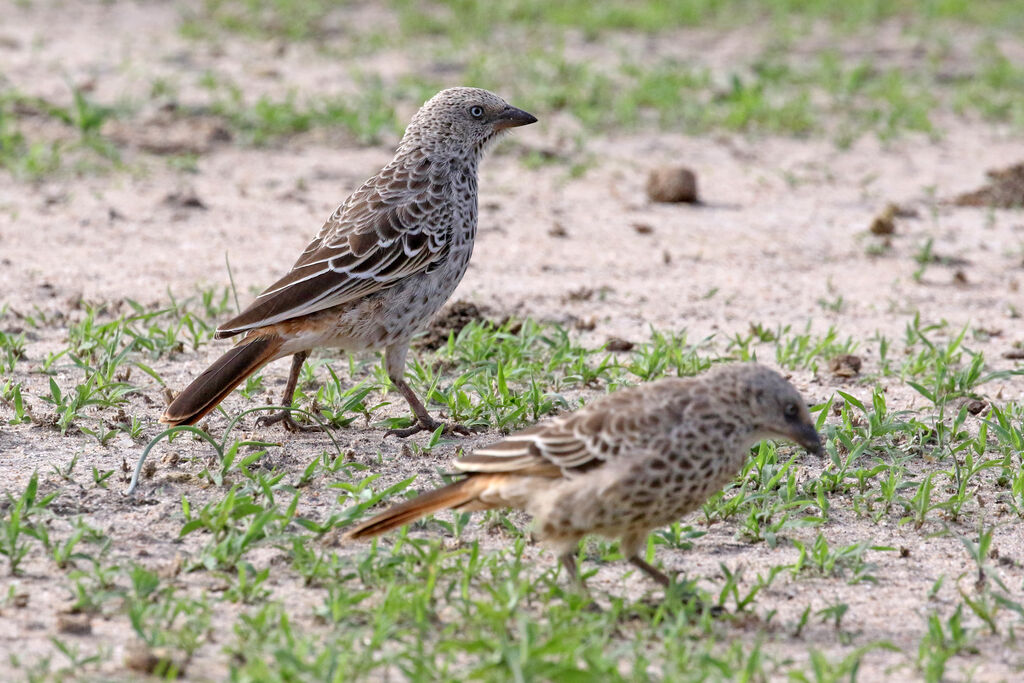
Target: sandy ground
pixel 783 225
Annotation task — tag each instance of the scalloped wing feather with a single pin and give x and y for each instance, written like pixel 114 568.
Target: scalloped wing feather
pixel 585 439
pixel 391 228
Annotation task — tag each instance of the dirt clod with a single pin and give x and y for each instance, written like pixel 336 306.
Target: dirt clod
pixel 975 406
pixel 1005 189
pixel 450 320
pixel 672 184
pixel 139 657
pixel 583 324
pixel 184 199
pixel 581 294
pixel 619 344
pixel 885 222
pixel 74 624
pixel 846 365
pixel 558 230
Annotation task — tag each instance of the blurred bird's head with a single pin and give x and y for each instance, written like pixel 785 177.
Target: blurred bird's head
pixel 777 411
pixel 461 121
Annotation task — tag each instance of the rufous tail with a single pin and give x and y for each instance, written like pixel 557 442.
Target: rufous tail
pixel 462 493
pixel 220 379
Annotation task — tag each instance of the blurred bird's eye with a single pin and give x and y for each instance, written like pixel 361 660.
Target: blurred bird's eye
pixel 476 111
pixel 790 411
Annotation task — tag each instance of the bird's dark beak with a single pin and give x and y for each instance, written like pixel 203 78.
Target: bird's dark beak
pixel 807 436
pixel 512 117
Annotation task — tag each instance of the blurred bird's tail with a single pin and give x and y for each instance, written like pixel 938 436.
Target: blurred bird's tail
pixel 463 494
pixel 220 379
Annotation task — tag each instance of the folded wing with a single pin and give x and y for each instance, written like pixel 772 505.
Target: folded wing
pixel 576 442
pixel 392 227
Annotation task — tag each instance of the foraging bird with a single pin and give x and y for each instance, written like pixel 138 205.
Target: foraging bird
pixel 624 465
pixel 380 267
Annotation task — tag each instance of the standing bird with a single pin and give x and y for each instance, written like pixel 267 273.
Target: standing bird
pixel 624 465
pixel 381 266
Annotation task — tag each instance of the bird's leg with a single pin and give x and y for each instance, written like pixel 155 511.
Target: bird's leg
pixel 686 593
pixel 423 420
pixel 394 359
pixel 568 560
pixel 285 416
pixel 651 571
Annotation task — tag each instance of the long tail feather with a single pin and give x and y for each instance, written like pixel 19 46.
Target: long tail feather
pixel 462 493
pixel 220 379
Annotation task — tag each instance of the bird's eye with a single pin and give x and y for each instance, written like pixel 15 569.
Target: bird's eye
pixel 476 111
pixel 790 411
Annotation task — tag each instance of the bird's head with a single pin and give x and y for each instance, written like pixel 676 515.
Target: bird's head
pixel 777 411
pixel 460 121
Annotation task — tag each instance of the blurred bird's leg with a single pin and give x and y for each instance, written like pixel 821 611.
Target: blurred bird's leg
pixel 285 416
pixel 394 360
pixel 568 560
pixel 651 571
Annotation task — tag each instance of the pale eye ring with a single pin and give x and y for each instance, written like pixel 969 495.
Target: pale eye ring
pixel 790 410
pixel 476 111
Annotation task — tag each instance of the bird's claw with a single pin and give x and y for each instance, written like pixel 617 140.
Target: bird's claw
pixel 285 418
pixel 430 425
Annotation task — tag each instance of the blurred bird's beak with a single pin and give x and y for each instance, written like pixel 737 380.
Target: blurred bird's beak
pixel 807 436
pixel 512 117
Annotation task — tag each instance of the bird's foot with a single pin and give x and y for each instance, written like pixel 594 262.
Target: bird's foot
pixel 285 418
pixel 428 425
